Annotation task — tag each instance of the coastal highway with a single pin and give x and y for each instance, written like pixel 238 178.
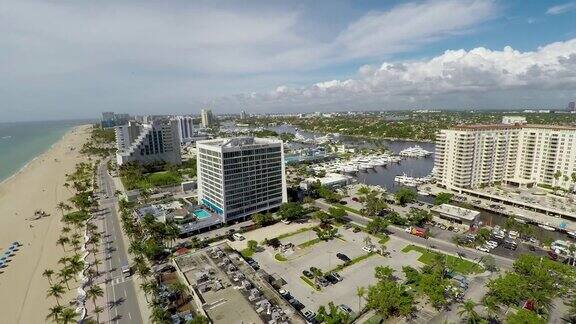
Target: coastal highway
pixel 120 291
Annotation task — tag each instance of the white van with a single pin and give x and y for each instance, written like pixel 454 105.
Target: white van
pixel 238 236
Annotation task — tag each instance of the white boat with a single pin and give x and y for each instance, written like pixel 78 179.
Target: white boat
pixel 572 234
pixel 415 152
pixel 423 193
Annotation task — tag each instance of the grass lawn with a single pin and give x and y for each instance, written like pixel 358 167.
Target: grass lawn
pixel 280 257
pixel 302 230
pixel 309 243
pixel 161 178
pixel 350 209
pixel 459 265
pixel 352 262
pixel 247 253
pixel 376 319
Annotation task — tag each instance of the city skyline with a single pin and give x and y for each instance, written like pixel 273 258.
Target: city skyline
pixel 74 60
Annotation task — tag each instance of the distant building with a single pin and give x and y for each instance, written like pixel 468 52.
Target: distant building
pixel 243 115
pixel 185 128
pixel 572 106
pixel 207 118
pixel 111 119
pixel 154 142
pixel 238 177
pixel 513 120
pixel 473 156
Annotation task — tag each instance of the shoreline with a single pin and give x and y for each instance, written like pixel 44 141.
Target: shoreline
pixel 37 185
pixel 68 130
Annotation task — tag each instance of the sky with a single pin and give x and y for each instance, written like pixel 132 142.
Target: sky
pixel 70 59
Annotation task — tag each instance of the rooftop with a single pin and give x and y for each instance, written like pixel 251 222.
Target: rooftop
pixel 456 212
pixel 510 126
pixel 239 142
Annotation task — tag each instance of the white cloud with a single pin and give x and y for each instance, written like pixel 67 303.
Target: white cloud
pixel 560 9
pixel 123 53
pixel 479 71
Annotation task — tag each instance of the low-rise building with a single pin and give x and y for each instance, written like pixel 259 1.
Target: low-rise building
pixel 455 214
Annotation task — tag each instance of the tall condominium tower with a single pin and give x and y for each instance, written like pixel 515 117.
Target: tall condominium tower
pixel 185 128
pixel 474 156
pixel 207 118
pixel 238 177
pixel 149 143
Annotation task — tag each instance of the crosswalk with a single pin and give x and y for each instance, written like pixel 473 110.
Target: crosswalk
pixel 118 280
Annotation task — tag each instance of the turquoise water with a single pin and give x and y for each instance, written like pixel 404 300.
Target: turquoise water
pixel 201 213
pixel 21 142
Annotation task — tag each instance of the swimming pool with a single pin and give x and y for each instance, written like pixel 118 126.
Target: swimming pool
pixel 201 213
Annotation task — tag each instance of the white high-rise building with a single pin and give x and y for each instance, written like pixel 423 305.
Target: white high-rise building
pixel 207 118
pixel 474 156
pixel 238 177
pixel 148 143
pixel 185 128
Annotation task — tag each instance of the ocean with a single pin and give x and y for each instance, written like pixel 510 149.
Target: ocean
pixel 21 142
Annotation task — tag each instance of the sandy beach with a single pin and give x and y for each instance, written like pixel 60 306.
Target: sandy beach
pixel 38 186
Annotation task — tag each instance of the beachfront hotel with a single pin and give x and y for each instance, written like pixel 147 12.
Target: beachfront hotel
pixel 238 177
pixel 157 141
pixel 516 153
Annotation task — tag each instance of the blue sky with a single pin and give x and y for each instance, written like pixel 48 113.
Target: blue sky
pixel 74 59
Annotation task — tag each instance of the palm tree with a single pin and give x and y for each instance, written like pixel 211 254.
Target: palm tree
pixel 178 288
pixel 62 240
pixel 65 275
pixel 55 291
pixel 159 315
pixel 147 288
pixel 97 311
pixel 68 316
pixel 94 292
pixel 48 273
pixel 96 263
pixel 490 304
pixel 65 229
pixel 466 309
pixel 55 312
pixel 360 292
pixel 61 206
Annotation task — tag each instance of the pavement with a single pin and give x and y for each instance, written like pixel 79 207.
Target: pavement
pixel 121 294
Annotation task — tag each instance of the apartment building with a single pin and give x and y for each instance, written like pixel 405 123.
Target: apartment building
pixel 473 156
pixel 207 118
pixel 185 128
pixel 157 141
pixel 238 177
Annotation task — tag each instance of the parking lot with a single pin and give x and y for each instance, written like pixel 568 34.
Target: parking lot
pixel 323 255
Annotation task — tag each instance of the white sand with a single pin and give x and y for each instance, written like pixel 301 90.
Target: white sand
pixel 38 186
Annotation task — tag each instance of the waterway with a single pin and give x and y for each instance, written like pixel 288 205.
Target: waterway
pixel 414 167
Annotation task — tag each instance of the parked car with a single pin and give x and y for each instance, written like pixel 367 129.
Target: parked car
pixel 356 229
pixel 343 257
pixel 337 276
pixel 367 248
pixel 238 236
pixel 331 279
pixel 345 309
pixel 308 274
pixel 492 244
pixel 286 221
pixel 483 248
pixel 310 316
pixel 284 293
pixel 322 282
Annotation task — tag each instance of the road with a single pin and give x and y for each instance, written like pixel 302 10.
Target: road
pixel 120 292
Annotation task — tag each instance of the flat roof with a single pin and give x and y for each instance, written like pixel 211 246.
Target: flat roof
pixel 456 212
pixel 238 141
pixel 510 126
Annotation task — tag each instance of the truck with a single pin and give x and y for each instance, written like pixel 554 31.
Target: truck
pixel 418 231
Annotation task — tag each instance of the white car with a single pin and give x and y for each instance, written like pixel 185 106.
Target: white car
pixel 492 244
pixel 285 221
pixel 367 249
pixel 238 237
pixel 483 248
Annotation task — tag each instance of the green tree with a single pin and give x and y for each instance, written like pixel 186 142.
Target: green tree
pixel 377 225
pixel 389 298
pixel 94 292
pixel 332 316
pixel 98 310
pixel 68 316
pixel 262 219
pixel 405 195
pixel 337 213
pixel 383 273
pixel 374 205
pixel 198 319
pixel 443 198
pixel 466 310
pixel 291 211
pixel 55 291
pixel 360 292
pixel 54 313
pixel 48 273
pixel 419 217
pixel 252 245
pixel 523 316
pixel 159 316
